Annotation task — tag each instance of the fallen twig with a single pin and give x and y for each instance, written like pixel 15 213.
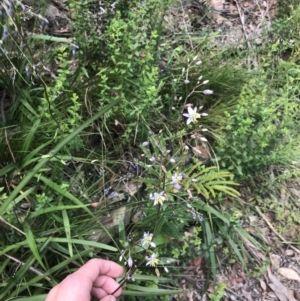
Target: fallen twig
pixel 274 230
pixel 242 18
pixel 32 269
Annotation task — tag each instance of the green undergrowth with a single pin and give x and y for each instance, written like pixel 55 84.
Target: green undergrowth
pixel 127 142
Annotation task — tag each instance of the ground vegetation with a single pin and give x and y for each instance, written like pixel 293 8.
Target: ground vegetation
pixel 163 135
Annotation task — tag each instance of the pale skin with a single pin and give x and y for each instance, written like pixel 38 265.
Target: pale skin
pixel 95 278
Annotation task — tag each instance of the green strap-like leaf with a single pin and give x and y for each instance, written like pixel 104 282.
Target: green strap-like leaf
pixel 19 276
pixel 51 154
pixel 8 168
pixel 67 228
pixel 148 291
pixel 54 209
pixel 61 266
pixel 32 298
pixel 60 240
pixel 32 244
pixel 209 242
pixel 63 192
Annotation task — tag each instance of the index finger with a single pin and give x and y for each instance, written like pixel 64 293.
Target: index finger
pixel 96 267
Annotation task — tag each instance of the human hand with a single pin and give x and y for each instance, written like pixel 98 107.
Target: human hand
pixel 94 278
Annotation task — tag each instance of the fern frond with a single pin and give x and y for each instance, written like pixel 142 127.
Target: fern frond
pixel 213 175
pixel 201 189
pixel 211 190
pixel 222 182
pixel 189 172
pixel 228 190
pixel 152 181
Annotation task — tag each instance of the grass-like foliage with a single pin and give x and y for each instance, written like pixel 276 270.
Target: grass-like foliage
pixel 122 140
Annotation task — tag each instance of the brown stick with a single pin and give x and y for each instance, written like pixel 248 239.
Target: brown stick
pixel 274 230
pixel 4 121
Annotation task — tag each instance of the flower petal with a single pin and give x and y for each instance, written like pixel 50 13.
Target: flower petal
pixel 190 110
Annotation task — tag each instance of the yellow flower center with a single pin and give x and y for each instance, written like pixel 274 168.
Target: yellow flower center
pixel 154 262
pixel 159 200
pixel 194 116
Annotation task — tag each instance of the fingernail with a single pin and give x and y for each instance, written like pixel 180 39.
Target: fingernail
pixel 112 298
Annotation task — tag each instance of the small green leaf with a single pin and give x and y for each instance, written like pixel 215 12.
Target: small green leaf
pixel 122 235
pixel 67 228
pixel 50 38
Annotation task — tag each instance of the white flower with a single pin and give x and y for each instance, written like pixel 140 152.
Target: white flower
pixel 129 262
pixel 207 92
pixel 176 181
pixel 205 82
pixel 203 139
pixel 146 143
pixel 177 186
pixel 198 63
pixel 158 198
pixel 176 178
pixel 186 81
pixel 192 115
pixel 152 159
pixel 186 147
pixel 172 160
pixel 147 240
pixel 152 260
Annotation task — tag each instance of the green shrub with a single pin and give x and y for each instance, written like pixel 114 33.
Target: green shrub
pixel 262 130
pixel 121 69
pixel 122 63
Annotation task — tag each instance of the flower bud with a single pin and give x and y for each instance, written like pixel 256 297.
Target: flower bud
pixel 207 92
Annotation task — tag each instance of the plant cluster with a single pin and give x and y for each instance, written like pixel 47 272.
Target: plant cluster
pixel 262 131
pixel 124 104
